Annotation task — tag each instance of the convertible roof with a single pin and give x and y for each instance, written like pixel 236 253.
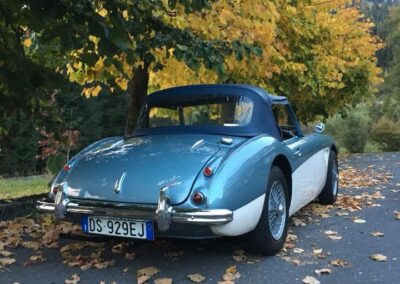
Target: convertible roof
pixel 262 121
pixel 223 89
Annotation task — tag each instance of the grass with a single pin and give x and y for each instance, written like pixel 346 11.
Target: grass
pixel 19 187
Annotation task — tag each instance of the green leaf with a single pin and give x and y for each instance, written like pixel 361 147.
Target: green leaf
pixel 257 51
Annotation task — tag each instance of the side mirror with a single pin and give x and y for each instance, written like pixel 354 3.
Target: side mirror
pixel 319 128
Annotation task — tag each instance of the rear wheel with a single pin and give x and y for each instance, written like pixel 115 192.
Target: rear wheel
pixel 270 234
pixel 329 193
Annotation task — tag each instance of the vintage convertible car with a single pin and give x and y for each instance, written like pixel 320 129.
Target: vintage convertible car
pixel 204 161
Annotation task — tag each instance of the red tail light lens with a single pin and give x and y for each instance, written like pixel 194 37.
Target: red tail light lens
pixel 208 171
pixel 55 189
pixel 66 167
pixel 198 198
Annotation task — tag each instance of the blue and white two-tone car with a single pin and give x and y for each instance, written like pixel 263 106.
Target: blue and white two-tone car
pixel 204 161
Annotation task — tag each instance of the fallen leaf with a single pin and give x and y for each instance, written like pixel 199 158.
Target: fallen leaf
pixel 74 279
pixel 323 271
pixel 125 270
pixel 310 280
pixel 6 253
pixel 378 257
pixel 377 234
pixel 34 259
pixel 143 279
pixel 130 256
pixel 335 237
pixel 50 237
pixel 196 277
pixel 104 264
pixel 231 273
pixel 117 248
pixel 239 255
pixel 86 266
pixel 240 258
pixel 397 215
pixel 163 281
pixel 340 263
pixel 329 232
pixel 95 245
pixel 298 222
pixel 146 273
pixel 317 251
pixel 73 247
pixel 7 261
pixel 32 245
pixel 298 250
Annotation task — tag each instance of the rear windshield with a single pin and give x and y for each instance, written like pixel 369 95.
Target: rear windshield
pixel 204 110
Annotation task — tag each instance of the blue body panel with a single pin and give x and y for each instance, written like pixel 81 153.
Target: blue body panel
pixel 149 163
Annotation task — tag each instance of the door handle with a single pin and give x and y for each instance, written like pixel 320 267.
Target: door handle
pixel 298 152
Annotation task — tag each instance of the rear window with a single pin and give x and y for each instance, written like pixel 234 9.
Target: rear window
pixel 227 111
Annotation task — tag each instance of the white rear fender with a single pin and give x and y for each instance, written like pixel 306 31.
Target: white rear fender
pixel 245 219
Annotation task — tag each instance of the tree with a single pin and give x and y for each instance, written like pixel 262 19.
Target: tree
pixel 391 87
pixel 320 54
pixel 125 41
pixel 118 38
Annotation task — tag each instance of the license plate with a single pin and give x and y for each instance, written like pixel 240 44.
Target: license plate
pixel 119 227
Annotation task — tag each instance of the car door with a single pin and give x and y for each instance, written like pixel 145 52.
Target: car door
pixel 308 159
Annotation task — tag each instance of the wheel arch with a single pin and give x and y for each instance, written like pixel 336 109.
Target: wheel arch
pixel 283 163
pixel 334 148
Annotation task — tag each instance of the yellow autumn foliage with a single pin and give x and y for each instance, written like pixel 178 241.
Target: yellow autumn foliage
pixel 319 53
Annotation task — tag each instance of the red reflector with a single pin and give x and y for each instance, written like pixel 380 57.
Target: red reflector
pixel 55 190
pixel 208 171
pixel 66 168
pixel 198 197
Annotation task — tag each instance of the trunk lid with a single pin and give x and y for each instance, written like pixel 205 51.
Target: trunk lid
pixel 134 169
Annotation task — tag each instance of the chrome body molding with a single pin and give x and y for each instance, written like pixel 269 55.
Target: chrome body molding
pixel 163 214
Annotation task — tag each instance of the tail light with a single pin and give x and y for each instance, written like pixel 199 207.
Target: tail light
pixel 198 198
pixel 55 189
pixel 66 167
pixel 208 171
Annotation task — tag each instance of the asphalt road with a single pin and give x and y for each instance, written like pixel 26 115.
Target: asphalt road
pixel 177 258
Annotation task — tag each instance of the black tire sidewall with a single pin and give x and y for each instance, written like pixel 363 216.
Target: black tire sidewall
pixel 327 195
pixel 261 238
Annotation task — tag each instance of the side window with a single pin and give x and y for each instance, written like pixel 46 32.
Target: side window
pixel 284 121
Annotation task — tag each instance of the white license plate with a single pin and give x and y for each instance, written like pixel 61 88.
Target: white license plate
pixel 119 227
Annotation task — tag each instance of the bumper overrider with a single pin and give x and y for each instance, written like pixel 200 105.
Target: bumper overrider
pixel 163 213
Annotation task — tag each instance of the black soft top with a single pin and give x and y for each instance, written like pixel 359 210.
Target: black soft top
pixel 262 121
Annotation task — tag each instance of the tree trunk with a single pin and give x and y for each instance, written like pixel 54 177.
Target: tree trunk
pixel 138 88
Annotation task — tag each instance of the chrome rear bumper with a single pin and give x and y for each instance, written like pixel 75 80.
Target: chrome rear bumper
pixel 163 214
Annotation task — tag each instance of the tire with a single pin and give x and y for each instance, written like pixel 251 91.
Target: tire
pixel 265 238
pixel 329 193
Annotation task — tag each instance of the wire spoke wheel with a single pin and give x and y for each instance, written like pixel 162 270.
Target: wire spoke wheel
pixel 277 210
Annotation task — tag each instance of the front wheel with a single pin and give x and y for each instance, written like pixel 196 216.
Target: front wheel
pixel 270 234
pixel 329 193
